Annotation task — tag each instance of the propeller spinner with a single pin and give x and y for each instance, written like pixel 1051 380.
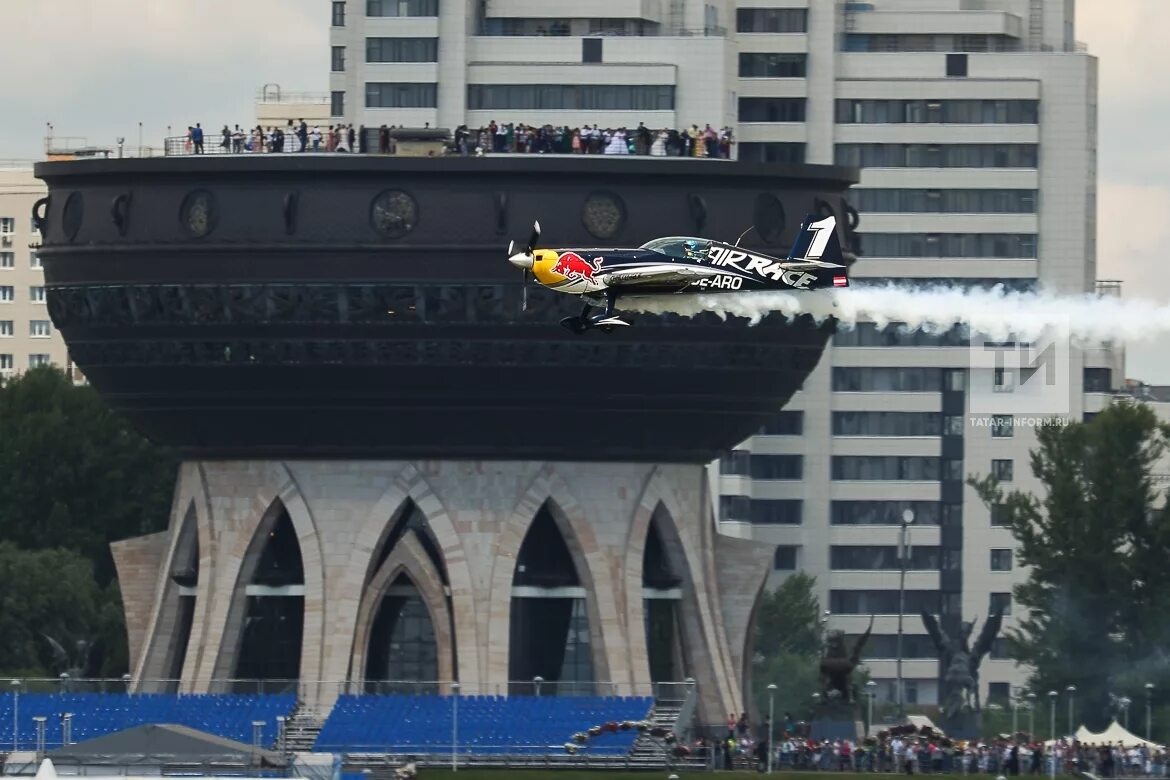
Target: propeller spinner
pixel 524 261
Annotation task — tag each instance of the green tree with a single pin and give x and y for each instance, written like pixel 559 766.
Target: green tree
pixel 1096 541
pixel 73 473
pixel 787 646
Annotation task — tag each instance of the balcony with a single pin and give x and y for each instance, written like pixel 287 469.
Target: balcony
pixel 646 10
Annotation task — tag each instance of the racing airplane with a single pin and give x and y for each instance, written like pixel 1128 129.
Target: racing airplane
pixel 679 265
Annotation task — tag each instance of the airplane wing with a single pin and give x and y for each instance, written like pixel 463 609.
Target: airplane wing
pixel 663 273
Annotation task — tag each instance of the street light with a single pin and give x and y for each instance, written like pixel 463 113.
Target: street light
pixel 903 556
pixel 870 686
pixel 536 681
pixel 454 725
pixel 40 721
pixel 771 722
pixel 1052 727
pixel 1125 701
pixel 15 713
pixel 1015 714
pixel 1032 716
pixel 1149 697
pixel 1072 693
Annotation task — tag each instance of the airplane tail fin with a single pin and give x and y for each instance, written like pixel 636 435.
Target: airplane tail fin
pixel 817 245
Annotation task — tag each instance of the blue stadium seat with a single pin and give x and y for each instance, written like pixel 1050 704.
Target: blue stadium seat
pixel 97 714
pixel 487 725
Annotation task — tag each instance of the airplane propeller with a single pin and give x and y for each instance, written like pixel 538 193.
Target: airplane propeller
pixel 524 261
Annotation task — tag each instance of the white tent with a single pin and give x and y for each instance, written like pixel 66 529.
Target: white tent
pixel 1114 734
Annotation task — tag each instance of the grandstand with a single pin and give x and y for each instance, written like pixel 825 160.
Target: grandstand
pixel 487 725
pixel 96 714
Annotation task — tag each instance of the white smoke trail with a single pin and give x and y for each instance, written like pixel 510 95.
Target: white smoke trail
pixel 995 314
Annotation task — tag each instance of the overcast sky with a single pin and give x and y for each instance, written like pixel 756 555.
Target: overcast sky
pixel 96 68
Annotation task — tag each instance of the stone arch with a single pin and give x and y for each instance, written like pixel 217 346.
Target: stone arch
pixel 409 486
pixel 408 558
pixel 661 504
pixel 263 513
pixel 160 668
pixel 548 491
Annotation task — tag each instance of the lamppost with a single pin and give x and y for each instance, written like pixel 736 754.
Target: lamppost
pixel 1125 701
pixel 1052 728
pixel 40 721
pixel 1015 714
pixel 454 726
pixel 771 722
pixel 536 681
pixel 1072 693
pixel 903 561
pixel 1149 698
pixel 869 691
pixel 15 714
pixel 1032 716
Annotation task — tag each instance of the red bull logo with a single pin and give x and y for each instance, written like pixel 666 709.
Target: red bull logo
pixel 572 266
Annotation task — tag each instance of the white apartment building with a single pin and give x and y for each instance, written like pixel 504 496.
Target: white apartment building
pixel 974 124
pixel 27 335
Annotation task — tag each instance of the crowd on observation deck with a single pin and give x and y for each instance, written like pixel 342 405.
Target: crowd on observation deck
pixel 492 139
pixel 905 750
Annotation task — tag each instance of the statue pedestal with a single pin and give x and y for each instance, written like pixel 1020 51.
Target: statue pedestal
pixel 967 725
pixel 833 720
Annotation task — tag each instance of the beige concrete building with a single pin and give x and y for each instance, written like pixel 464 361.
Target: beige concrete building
pixel 275 107
pixel 27 335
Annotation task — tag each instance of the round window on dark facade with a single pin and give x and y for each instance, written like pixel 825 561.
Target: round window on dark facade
pixel 197 213
pixel 394 213
pixel 73 215
pixel 603 214
pixel 768 217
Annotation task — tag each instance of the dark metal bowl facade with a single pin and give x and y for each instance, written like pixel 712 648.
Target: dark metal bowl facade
pixel 361 307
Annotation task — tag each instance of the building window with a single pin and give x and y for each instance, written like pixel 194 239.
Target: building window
pixel 591 50
pixel 882 512
pixel 999 648
pixel 38 360
pixel 1000 601
pixel 6 362
pixel 584 97
pixel 7 294
pixel 771 109
pixel 402 7
pixel 1002 469
pixel 886 380
pixel 776 511
pixel 938 155
pixel 402 49
pixel 7 226
pixel 881 558
pixel 772 152
pixel 883 646
pixel 337 103
pixel 784 559
pixel 999 693
pixel 7 260
pixel 898 334
pixel 1001 560
pixel 957 65
pixel 34 259
pixel 338 65
pixel 6 328
pixel 991 245
pixel 953 425
pixel 913 468
pixel 401 95
pixel 1002 426
pixel 951 201
pixel 786 423
pixel 40 329
pixel 760 65
pixel 36 294
pixel 338 13
pixel 963 112
pixel 952 469
pixel 736 463
pixel 882 602
pixel 1098 380
pixel 887 424
pixel 777 466
pixel 999 516
pixel 771 20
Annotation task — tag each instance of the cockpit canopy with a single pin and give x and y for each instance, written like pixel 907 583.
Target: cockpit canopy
pixel 682 247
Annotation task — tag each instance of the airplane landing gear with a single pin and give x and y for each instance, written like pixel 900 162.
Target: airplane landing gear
pixel 605 321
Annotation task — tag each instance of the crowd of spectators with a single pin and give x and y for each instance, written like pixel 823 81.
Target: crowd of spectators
pixel 493 139
pixel 924 751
